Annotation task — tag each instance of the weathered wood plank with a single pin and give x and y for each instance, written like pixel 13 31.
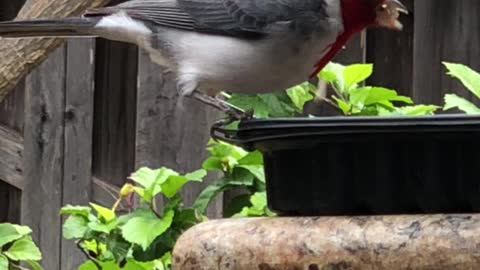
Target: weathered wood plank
pixel 114 120
pixel 12 108
pixel 77 178
pixel 11 161
pixel 391 53
pixel 11 115
pixel 444 31
pixel 43 156
pixel 10 203
pixel 167 134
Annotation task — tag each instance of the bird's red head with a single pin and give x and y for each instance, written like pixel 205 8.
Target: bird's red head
pixel 360 14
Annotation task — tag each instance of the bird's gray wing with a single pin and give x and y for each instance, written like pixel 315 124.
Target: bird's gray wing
pixel 231 17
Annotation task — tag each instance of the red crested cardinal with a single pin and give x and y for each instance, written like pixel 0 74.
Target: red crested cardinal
pixel 237 46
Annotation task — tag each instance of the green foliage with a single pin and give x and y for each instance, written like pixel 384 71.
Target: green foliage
pixel 144 238
pixel 353 99
pixel 141 239
pixel 349 98
pixel 471 80
pixel 16 245
pixel 240 169
pixel 258 208
pixel 266 105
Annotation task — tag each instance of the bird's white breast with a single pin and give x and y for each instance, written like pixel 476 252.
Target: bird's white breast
pixel 219 63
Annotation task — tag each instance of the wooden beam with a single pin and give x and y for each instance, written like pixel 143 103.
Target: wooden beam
pixel 19 56
pixel 11 163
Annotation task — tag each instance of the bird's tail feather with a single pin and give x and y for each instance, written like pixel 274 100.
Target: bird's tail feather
pixel 48 27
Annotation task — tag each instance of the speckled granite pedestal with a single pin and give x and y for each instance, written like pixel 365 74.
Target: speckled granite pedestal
pixel 363 243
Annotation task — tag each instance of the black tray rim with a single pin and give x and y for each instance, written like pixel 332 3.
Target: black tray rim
pixel 257 130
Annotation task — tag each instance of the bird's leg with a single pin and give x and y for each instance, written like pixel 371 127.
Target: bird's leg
pixel 232 111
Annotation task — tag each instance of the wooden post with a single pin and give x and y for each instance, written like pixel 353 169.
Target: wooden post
pixel 78 121
pixel 43 156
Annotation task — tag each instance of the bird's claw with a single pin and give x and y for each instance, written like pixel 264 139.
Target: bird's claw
pixel 236 114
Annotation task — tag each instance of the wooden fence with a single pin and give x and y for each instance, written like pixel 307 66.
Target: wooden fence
pixel 96 110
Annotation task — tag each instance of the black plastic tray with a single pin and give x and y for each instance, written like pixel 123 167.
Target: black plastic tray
pixel 364 166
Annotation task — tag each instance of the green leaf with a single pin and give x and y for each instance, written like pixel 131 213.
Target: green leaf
pixel 197 175
pixel 10 232
pixel 105 266
pixel 167 259
pixel 89 265
pixel 76 210
pixel 104 213
pixel 367 96
pixel 213 164
pixel 135 265
pixel 248 103
pixel 252 158
pixel 210 193
pixel 174 183
pixel 23 250
pixel 3 262
pixel 75 227
pixel 344 106
pixel 162 244
pixel 301 94
pixel 118 246
pixel 454 101
pixel 33 264
pixel 144 176
pixel 222 149
pixel 259 200
pixel 108 227
pixel 259 207
pixel 417 110
pixel 265 105
pixel 143 230
pixel 355 74
pixel 469 77
pixel 333 74
pixel 327 76
pixel 138 212
pixel 256 170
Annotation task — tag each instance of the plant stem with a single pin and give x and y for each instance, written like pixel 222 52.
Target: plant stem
pixel 99 267
pixel 16 266
pixel 331 103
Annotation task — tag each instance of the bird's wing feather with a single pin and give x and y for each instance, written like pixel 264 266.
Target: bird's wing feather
pixel 233 17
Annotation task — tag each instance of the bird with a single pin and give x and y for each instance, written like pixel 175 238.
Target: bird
pixel 235 46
